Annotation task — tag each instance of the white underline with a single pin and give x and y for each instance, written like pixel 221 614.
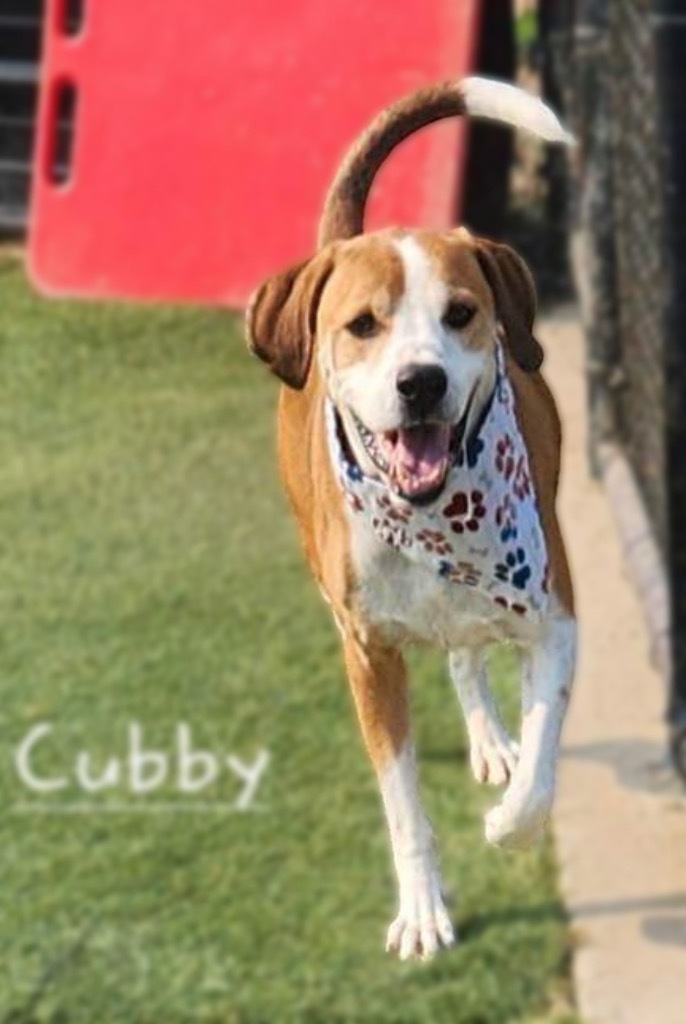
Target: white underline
pixel 158 807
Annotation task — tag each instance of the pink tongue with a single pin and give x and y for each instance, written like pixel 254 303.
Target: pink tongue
pixel 420 457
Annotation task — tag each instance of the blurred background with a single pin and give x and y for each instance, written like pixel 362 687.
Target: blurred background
pixel 154 167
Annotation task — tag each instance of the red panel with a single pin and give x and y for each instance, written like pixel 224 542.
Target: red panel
pixel 207 132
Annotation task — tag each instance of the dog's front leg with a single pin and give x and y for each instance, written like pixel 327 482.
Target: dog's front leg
pixel 493 755
pixel 378 679
pixel 547 673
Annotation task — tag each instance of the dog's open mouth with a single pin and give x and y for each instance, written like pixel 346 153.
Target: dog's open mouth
pixel 415 460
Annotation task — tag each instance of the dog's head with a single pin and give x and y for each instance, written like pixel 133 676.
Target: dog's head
pixel 402 327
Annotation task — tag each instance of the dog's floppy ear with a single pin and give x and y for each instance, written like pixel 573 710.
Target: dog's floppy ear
pixel 280 322
pixel 515 300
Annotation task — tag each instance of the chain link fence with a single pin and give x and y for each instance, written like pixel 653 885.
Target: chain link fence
pixel 620 70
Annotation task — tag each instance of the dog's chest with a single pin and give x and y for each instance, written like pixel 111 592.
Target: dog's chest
pixel 408 601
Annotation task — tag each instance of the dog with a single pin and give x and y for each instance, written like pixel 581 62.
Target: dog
pixel 420 450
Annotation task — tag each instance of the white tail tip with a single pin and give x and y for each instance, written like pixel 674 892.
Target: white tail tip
pixel 500 101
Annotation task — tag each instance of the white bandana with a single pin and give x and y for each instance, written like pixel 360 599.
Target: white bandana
pixel 485 530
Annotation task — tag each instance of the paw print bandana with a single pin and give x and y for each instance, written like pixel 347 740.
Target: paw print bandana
pixel 484 531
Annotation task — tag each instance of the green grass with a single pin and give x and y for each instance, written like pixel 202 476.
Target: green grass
pixel 526 30
pixel 150 572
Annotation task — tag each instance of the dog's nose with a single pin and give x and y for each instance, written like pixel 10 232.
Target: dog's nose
pixel 421 386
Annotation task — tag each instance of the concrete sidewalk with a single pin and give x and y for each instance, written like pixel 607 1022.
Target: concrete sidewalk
pixel 620 821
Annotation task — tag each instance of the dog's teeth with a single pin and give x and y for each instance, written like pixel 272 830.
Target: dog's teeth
pixel 361 429
pixel 371 444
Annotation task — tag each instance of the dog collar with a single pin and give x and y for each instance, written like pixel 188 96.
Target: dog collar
pixel 484 531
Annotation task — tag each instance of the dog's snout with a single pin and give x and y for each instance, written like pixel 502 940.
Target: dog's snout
pixel 421 386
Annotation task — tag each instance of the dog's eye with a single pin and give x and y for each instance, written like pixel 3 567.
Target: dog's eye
pixel 458 315
pixel 364 326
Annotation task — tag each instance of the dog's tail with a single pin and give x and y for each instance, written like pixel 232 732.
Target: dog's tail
pixel 475 97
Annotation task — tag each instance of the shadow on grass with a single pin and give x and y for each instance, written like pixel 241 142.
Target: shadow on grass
pixel 458 754
pixel 29 1013
pixel 474 926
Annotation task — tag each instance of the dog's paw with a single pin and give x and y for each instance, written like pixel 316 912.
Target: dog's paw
pixel 420 938
pixel 423 926
pixel 492 754
pixel 519 820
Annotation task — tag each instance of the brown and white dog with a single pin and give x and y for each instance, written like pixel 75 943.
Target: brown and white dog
pixel 392 347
